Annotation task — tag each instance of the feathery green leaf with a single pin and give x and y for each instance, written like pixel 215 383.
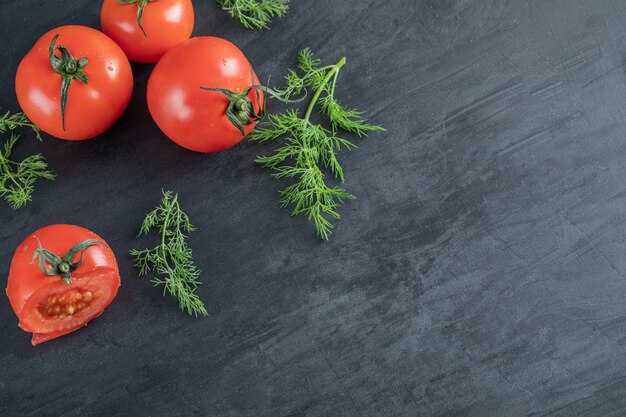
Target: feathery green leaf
pixel 18 179
pixel 10 121
pixel 308 148
pixel 254 14
pixel 172 259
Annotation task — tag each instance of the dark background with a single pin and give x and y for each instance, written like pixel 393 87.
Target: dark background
pixel 480 272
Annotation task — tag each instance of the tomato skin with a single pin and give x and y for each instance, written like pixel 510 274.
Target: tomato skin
pixel 26 279
pixel 91 108
pixel 166 22
pixel 195 118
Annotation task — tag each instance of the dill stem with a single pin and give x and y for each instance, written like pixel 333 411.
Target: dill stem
pixel 163 233
pixel 5 161
pixel 333 72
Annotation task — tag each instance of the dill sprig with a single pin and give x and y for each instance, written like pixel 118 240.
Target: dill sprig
pixel 10 121
pixel 309 149
pixel 254 14
pixel 17 179
pixel 172 259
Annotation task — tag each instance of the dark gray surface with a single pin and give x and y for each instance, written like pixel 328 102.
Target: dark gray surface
pixel 480 272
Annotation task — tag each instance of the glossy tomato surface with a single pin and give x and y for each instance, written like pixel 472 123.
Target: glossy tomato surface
pixel 195 118
pixel 46 305
pixel 91 108
pixel 166 23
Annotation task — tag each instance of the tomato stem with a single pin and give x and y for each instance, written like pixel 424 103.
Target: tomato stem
pixel 69 68
pixel 241 111
pixel 62 266
pixel 141 4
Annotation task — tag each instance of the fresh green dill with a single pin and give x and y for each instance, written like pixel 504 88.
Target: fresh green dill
pixel 172 259
pixel 309 149
pixel 17 179
pixel 10 121
pixel 254 14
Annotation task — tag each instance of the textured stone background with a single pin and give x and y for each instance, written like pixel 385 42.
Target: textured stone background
pixel 480 272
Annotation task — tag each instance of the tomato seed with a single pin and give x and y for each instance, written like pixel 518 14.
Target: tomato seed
pixel 66 304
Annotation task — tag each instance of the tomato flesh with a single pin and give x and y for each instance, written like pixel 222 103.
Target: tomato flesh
pixel 61 305
pixel 60 308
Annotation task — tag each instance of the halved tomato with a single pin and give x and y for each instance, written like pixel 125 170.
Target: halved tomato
pixel 61 277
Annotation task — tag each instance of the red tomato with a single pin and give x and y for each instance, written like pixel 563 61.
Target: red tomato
pixel 192 117
pixel 164 24
pixel 49 306
pixel 99 88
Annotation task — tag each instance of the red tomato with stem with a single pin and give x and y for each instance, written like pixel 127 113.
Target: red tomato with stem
pixel 184 107
pixel 147 29
pixel 61 277
pixel 74 83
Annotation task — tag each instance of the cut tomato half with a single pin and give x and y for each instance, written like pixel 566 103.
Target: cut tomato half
pixel 60 308
pixel 61 277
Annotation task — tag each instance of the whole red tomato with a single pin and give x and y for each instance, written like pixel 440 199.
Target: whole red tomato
pixel 147 29
pixel 74 83
pixel 191 115
pixel 61 277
